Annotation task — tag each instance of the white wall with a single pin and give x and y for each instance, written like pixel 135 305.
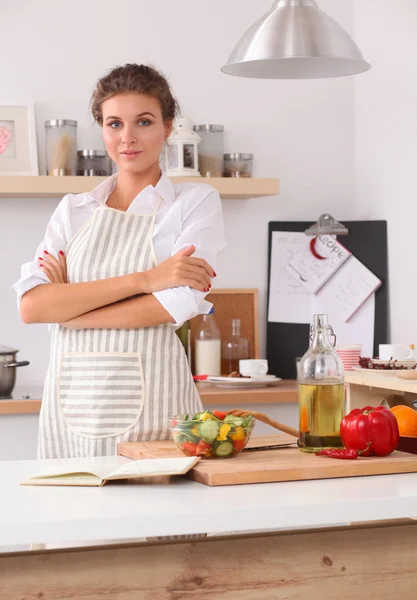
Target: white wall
pixel 301 131
pixel 386 144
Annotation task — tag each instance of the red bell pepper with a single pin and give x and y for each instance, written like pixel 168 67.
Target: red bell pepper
pixel 376 426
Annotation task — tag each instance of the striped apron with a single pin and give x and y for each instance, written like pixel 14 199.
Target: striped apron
pixel 105 386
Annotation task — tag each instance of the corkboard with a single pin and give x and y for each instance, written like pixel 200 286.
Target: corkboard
pixel 233 304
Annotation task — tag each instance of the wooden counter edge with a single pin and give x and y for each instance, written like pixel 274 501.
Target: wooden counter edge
pixel 14 407
pixel 285 391
pixel 314 564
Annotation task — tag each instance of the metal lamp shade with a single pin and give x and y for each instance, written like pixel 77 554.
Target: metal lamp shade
pixel 295 40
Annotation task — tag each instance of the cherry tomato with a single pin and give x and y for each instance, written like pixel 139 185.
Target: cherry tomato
pixel 202 448
pixel 190 448
pixel 239 445
pixel 219 414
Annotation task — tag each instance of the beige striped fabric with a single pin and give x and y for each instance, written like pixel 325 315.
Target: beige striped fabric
pixel 104 386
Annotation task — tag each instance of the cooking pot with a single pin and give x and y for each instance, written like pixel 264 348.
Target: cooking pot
pixel 8 366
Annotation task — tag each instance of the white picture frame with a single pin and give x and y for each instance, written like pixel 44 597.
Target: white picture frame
pixel 18 150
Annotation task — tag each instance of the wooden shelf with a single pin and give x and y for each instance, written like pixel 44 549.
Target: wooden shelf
pixel 55 187
pixel 384 382
pixel 284 391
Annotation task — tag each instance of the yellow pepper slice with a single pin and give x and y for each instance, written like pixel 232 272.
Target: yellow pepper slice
pixel 239 434
pixel 223 431
pixel 205 416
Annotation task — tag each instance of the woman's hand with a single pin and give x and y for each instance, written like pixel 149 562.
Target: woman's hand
pixel 180 269
pixel 55 270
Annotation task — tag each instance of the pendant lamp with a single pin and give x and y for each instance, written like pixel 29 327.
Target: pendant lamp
pixel 295 40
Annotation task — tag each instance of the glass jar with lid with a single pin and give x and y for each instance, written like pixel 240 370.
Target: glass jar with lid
pixel 321 390
pixel 237 164
pixel 210 150
pixel 61 146
pixel 207 346
pixel 94 163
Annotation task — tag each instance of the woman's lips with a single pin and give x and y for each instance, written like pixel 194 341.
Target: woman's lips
pixel 131 153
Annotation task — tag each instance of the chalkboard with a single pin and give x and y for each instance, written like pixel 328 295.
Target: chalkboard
pixel 367 240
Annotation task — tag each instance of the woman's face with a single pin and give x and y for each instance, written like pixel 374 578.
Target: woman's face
pixel 134 130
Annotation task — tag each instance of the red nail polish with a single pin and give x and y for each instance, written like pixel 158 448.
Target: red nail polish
pixel 214 274
pixel 40 258
pixel 61 253
pixel 45 252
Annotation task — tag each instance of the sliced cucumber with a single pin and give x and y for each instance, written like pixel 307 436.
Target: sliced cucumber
pixel 224 449
pixel 186 436
pixel 208 430
pixel 197 416
pixel 232 419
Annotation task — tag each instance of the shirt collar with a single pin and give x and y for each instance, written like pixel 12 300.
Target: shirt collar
pixel 100 194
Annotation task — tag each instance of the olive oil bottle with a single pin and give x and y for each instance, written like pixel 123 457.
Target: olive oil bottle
pixel 321 391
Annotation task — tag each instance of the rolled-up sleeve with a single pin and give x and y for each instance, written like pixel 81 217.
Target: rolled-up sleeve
pixel 203 228
pixel 56 238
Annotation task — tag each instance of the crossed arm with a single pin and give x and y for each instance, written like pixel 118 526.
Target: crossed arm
pixel 124 302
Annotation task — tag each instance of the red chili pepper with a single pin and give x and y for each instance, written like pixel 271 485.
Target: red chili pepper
pixel 339 453
pixel 376 425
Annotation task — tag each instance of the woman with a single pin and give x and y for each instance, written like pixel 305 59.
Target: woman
pixel 125 265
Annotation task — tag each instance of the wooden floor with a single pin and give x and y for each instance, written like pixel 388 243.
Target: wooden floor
pixel 368 563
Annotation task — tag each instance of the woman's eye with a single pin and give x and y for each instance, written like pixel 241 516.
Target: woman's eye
pixel 115 124
pixel 144 122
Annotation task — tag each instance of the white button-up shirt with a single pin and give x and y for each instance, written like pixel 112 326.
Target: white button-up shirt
pixel 189 214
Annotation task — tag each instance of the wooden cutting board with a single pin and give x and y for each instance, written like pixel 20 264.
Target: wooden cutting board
pixel 266 466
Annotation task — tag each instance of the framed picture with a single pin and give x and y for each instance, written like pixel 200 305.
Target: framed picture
pixel 18 153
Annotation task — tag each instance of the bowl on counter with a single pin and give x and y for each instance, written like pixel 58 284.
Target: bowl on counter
pixel 207 436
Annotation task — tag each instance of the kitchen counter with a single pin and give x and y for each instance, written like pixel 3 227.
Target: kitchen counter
pixel 312 559
pixel 124 511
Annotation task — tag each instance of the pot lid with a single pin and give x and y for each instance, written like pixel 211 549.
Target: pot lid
pixel 7 350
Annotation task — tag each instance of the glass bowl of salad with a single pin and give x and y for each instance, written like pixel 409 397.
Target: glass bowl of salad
pixel 211 434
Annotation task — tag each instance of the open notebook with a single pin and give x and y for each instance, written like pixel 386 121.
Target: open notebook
pixel 99 474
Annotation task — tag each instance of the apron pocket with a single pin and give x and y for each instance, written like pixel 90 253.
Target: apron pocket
pixel 100 394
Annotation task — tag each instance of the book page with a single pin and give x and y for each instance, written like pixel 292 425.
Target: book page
pixel 97 470
pixel 75 479
pixel 154 466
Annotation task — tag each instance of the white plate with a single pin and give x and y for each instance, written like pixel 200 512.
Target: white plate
pixel 401 363
pixel 381 372
pixel 245 382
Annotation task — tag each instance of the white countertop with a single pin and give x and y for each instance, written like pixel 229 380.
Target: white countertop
pixel 30 514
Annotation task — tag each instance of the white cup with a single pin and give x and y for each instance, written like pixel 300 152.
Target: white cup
pixel 253 367
pixel 394 351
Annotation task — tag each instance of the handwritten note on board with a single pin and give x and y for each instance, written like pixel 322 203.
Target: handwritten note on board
pixel 312 272
pixel 289 300
pixel 349 288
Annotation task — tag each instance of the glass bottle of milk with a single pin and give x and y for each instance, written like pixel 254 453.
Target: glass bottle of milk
pixel 207 346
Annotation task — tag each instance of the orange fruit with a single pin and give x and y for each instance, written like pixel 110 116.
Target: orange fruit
pixel 406 419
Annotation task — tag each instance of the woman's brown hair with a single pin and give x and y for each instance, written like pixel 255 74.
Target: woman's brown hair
pixel 142 79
